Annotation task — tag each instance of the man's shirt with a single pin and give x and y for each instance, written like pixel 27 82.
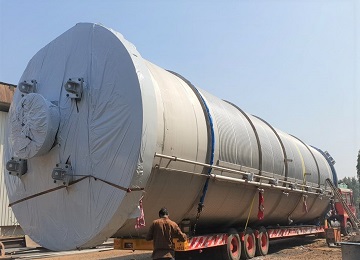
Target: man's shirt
pixel 162 231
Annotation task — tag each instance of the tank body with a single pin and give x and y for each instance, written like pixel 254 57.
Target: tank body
pixel 118 137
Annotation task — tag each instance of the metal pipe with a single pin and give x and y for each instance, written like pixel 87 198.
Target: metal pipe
pixel 234 180
pixel 174 158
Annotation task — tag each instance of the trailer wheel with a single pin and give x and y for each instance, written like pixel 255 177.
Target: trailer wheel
pixel 262 242
pixel 232 250
pixel 249 245
pixel 348 229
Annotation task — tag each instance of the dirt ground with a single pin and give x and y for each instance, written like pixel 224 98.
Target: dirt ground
pixel 305 248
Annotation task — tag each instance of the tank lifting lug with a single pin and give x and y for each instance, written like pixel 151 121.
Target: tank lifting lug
pixel 17 166
pixel 63 173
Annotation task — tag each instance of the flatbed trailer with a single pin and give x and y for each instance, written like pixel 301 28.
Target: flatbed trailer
pixel 233 245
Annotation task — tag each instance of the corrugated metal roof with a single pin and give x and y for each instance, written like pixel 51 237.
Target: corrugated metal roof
pixel 7 217
pixel 6 95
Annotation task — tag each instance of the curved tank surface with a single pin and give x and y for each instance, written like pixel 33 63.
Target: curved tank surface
pixel 101 129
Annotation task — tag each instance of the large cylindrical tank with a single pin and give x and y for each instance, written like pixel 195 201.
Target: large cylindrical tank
pixel 101 128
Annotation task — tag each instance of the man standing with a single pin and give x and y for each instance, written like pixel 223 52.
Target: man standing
pixel 162 231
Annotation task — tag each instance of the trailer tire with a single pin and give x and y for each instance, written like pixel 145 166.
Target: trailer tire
pixel 348 229
pixel 262 242
pixel 232 249
pixel 249 244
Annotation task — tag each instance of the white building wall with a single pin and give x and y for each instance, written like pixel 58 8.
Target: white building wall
pixel 7 218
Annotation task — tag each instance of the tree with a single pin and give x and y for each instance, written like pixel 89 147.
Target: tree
pixel 358 166
pixel 353 184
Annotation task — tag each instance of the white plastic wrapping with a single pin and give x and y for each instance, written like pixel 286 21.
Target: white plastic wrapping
pixel 103 136
pixel 33 126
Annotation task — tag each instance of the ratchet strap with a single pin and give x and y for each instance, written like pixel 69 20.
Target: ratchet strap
pixel 72 183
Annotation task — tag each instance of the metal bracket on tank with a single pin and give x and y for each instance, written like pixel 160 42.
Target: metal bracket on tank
pixel 321 193
pixel 308 188
pixel 62 172
pixel 17 166
pixel 248 176
pixel 74 87
pixel 27 87
pixel 293 186
pixel 274 182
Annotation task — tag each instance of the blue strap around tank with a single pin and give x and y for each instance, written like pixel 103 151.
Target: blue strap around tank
pixel 212 137
pixel 333 171
pixel 212 134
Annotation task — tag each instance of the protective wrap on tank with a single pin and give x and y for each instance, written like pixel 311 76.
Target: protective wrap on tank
pixel 34 125
pixel 100 136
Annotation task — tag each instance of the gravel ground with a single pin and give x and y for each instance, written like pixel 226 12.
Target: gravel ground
pixel 302 249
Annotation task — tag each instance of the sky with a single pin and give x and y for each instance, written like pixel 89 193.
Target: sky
pixel 294 63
